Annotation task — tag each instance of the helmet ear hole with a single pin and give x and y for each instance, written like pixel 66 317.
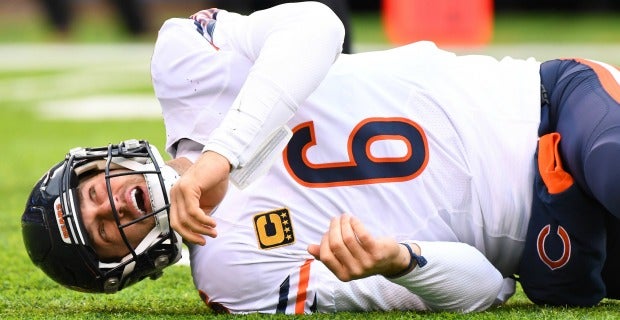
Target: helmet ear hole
pixel 111 285
pixel 161 261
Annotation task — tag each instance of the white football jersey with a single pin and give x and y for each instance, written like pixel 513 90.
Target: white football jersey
pixel 418 143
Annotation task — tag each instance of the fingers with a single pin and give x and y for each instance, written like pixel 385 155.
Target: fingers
pixel 315 251
pixel 199 190
pixel 363 236
pixel 186 216
pixel 355 236
pixel 351 252
pixel 358 256
pixel 343 241
pixel 343 248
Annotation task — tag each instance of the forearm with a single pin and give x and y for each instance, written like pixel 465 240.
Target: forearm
pixel 448 276
pixel 457 277
pixel 292 54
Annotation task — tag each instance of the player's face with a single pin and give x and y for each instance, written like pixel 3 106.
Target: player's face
pixel 131 199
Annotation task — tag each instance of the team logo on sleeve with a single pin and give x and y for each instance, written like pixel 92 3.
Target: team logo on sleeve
pixel 564 247
pixel 274 229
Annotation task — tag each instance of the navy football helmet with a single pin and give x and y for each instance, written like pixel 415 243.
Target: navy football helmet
pixel 57 240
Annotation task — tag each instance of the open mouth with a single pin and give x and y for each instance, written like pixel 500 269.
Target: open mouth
pixel 139 200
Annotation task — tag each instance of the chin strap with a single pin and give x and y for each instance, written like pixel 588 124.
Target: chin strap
pixel 112 284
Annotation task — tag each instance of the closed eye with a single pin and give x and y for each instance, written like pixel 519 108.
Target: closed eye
pixel 102 233
pixel 92 194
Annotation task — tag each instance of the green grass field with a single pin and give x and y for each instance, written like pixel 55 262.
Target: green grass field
pixel 39 78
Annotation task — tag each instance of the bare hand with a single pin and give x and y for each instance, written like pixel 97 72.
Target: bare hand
pixel 194 196
pixel 351 252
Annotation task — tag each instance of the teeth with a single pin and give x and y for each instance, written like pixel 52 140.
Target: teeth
pixel 134 199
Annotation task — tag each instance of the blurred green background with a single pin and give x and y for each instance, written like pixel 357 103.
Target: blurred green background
pixel 90 85
pixel 523 21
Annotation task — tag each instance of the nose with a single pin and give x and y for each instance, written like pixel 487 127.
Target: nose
pixel 102 211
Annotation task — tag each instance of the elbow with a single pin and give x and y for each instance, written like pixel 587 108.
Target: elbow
pixel 481 281
pixel 314 22
pixel 325 22
pixel 333 23
pixel 485 294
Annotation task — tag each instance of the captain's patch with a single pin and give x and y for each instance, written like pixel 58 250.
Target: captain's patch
pixel 274 229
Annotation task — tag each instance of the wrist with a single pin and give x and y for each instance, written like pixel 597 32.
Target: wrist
pixel 221 153
pixel 412 259
pixel 180 165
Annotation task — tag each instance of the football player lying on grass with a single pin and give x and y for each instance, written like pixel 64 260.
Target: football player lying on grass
pixel 304 180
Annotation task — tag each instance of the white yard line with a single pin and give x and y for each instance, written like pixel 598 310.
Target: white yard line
pixel 102 107
pixel 52 56
pixel 72 83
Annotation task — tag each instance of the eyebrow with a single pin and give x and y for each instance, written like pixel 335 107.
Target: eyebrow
pixel 80 199
pixel 78 190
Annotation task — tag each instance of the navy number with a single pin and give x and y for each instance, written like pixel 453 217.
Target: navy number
pixel 362 167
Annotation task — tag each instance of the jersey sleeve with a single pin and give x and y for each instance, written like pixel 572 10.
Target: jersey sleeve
pixel 443 284
pixel 292 47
